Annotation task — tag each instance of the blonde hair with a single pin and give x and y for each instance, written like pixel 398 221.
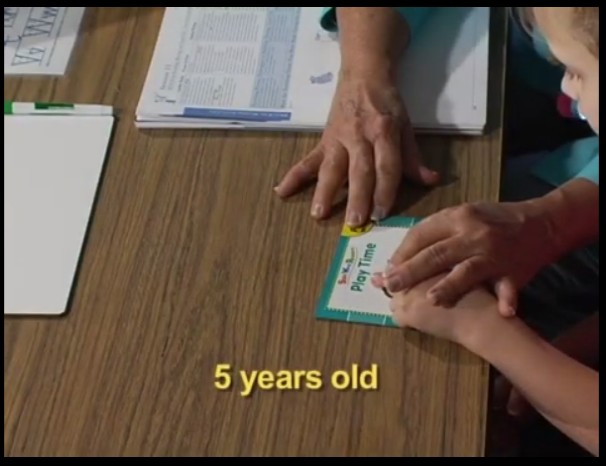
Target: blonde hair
pixel 585 21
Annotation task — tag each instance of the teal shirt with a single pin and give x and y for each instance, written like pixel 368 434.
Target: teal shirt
pixel 529 59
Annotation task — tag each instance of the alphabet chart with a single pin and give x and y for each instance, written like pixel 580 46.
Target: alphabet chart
pixel 38 40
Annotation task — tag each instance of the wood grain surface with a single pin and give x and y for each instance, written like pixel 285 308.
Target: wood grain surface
pixel 193 262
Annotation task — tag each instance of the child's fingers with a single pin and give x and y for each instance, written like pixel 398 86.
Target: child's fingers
pixel 517 406
pixel 502 390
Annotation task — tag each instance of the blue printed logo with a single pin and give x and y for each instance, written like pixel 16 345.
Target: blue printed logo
pixel 325 78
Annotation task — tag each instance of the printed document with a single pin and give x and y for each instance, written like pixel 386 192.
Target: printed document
pixel 38 40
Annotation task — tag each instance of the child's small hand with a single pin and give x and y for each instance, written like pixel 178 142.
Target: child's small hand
pixel 459 324
pixel 509 400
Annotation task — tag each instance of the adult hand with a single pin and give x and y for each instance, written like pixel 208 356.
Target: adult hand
pixel 368 145
pixel 502 245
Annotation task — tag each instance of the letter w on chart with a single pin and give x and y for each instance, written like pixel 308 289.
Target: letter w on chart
pixel 40 40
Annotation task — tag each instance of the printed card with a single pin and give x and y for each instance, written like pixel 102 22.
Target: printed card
pixel 349 294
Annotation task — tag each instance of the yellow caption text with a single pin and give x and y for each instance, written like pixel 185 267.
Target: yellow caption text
pixel 248 382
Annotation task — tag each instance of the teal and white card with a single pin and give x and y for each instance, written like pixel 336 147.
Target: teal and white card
pixel 349 295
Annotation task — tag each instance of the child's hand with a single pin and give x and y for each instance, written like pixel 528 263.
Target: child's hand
pixel 580 343
pixel 460 324
pixel 509 400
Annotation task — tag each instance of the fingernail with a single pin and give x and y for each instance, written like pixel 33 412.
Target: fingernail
pixel 378 279
pixel 354 219
pixel 388 269
pixel 378 214
pixel 316 211
pixel 394 284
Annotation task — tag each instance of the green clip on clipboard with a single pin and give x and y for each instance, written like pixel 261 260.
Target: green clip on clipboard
pixel 42 108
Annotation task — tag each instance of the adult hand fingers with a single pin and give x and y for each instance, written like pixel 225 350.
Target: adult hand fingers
pixel 388 165
pixel 507 294
pixel 361 183
pixel 301 174
pixel 331 178
pixel 413 168
pixel 463 278
pixel 429 262
pixel 430 231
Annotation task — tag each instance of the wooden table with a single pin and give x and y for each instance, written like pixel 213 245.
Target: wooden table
pixel 193 262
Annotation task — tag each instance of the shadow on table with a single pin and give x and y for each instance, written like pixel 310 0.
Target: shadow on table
pixel 294 146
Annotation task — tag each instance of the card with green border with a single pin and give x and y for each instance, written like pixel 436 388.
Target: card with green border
pixel 349 295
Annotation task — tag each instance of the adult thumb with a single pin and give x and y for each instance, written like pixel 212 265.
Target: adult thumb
pixel 412 166
pixel 507 294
